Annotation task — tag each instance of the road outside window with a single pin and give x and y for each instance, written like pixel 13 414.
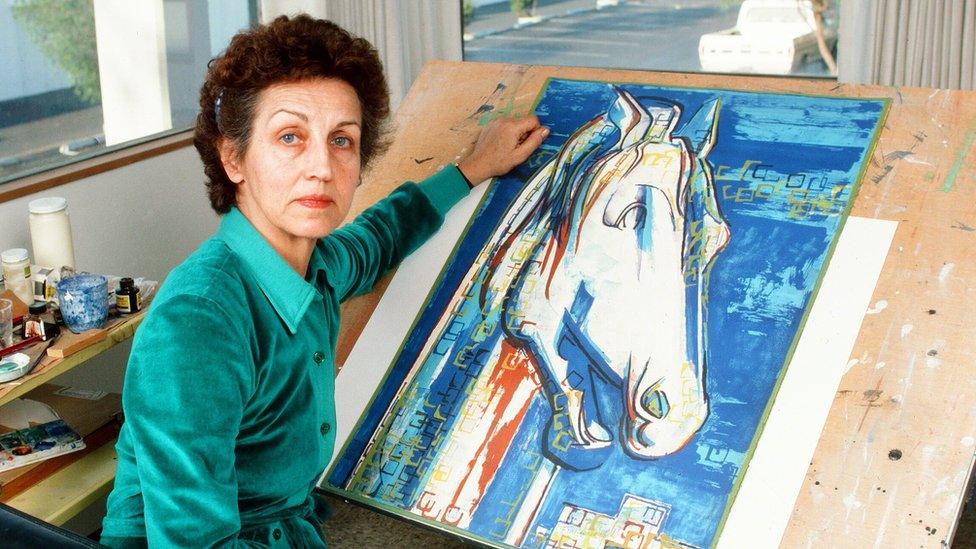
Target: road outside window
pixel 770 37
pixel 83 77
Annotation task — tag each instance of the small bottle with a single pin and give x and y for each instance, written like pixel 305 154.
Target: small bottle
pixel 50 231
pixel 17 273
pixel 33 323
pixel 127 298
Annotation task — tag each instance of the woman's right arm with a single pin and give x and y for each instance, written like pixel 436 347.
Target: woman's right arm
pixel 188 379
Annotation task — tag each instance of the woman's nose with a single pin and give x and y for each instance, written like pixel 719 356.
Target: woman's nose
pixel 319 162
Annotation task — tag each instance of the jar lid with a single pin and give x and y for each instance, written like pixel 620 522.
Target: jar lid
pixel 38 307
pixel 48 204
pixel 14 255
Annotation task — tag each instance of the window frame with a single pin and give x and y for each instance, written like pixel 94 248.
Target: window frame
pixel 125 154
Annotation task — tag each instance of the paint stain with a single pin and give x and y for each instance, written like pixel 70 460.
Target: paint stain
pixel 905 330
pixel 967 146
pixel 962 227
pixel 967 441
pixel 872 394
pixel 851 502
pixel 944 272
pixel 895 455
pixel 878 307
pixel 897 155
pixel 931 311
pixel 422 160
pixel 932 352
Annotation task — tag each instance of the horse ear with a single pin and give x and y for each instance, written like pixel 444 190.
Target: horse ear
pixel 702 129
pixel 629 116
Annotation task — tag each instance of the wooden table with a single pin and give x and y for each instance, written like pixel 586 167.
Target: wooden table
pixel 893 462
pixel 71 489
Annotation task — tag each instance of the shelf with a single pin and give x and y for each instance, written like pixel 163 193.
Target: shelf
pixel 67 492
pixel 50 368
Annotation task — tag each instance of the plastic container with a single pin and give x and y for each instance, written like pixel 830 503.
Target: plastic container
pixel 83 300
pixel 50 230
pixel 17 273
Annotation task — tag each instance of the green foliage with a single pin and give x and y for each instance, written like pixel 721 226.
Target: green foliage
pixel 523 8
pixel 64 31
pixel 467 11
pixel 726 5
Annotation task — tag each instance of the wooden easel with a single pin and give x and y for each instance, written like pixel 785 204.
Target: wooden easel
pixel 900 437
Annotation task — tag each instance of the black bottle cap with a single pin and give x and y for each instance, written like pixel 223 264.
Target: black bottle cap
pixel 126 284
pixel 38 308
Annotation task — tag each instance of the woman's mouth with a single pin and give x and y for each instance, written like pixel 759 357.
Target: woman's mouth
pixel 315 201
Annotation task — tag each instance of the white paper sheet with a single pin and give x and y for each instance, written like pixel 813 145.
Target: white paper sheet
pixel 775 474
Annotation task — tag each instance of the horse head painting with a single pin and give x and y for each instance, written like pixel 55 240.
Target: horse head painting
pixel 598 355
pixel 612 245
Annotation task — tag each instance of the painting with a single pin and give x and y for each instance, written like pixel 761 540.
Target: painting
pixel 596 361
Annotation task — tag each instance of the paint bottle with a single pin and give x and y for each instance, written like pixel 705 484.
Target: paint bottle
pixel 33 323
pixel 50 231
pixel 17 273
pixel 127 298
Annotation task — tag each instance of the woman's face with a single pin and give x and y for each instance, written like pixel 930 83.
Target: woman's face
pixel 297 178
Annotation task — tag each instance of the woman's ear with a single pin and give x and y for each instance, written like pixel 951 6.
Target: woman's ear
pixel 230 160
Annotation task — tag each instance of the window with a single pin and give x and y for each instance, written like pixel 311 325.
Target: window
pixel 83 77
pixel 776 37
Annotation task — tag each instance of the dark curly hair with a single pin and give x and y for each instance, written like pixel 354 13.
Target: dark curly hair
pixel 285 50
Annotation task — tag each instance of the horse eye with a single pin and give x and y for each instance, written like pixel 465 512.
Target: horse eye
pixel 632 218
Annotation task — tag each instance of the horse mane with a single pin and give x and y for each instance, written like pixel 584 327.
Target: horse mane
pixel 552 210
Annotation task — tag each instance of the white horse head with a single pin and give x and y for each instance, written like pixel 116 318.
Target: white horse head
pixel 624 232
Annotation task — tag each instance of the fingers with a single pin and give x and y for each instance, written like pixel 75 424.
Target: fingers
pixel 525 124
pixel 503 144
pixel 530 143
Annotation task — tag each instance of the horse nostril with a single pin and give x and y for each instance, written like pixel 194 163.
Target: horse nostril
pixel 655 402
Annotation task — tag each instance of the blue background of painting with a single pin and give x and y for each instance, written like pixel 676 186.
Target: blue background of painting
pixel 759 288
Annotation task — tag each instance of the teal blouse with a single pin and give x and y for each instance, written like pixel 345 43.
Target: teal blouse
pixel 229 392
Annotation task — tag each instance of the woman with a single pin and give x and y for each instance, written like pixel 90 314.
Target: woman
pixel 229 390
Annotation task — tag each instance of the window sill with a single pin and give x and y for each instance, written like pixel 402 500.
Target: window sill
pixel 109 161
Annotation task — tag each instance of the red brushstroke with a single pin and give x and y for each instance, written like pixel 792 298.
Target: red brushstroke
pixel 504 383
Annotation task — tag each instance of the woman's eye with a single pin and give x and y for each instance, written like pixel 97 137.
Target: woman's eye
pixel 342 142
pixel 289 139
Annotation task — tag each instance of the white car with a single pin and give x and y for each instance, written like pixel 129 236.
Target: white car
pixel 769 37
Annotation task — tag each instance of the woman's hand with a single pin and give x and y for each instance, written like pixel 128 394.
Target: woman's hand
pixel 503 144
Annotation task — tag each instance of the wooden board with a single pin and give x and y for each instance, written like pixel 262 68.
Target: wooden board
pixel 893 462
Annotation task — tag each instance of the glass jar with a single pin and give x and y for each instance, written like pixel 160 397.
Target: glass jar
pixel 127 298
pixel 50 230
pixel 33 323
pixel 17 274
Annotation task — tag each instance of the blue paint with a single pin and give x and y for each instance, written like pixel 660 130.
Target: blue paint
pixel 759 288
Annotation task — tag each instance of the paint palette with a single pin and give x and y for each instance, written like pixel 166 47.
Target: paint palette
pixel 14 366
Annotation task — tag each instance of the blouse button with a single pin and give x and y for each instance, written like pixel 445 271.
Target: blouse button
pixel 325 428
pixel 318 357
pixel 276 534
